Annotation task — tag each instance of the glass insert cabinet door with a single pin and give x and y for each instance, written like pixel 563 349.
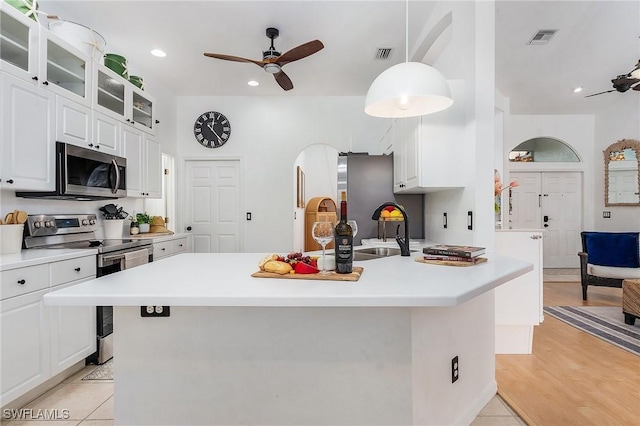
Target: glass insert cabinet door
pixel 18 43
pixel 621 177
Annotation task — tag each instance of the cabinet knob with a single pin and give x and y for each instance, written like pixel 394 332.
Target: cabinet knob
pixel 97 146
pixel 46 83
pixel 157 121
pixel 536 237
pixel 188 228
pixel 77 269
pixel 10 181
pixel 34 78
pixel 179 245
pixel 90 145
pixel 21 282
pixel 163 248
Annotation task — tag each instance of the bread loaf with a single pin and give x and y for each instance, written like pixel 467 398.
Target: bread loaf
pixel 277 267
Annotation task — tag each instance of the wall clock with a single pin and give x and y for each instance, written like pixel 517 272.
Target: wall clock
pixel 212 129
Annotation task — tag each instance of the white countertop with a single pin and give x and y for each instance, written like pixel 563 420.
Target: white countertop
pixel 215 279
pixel 157 238
pixel 33 257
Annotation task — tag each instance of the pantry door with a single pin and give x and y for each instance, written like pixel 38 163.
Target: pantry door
pixel 551 201
pixel 213 205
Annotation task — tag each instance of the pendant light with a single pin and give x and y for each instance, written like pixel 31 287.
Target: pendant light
pixel 408 89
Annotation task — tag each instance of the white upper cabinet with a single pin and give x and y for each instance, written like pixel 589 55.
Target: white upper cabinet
pixel 18 43
pixel 27 130
pixel 144 163
pixel 30 52
pixel 120 99
pixel 429 151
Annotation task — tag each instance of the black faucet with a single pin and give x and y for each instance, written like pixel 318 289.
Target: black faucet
pixel 403 242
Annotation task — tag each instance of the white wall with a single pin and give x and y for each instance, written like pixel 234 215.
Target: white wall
pixel 267 135
pixel 612 125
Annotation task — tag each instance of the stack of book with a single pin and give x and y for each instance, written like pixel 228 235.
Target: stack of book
pixel 453 255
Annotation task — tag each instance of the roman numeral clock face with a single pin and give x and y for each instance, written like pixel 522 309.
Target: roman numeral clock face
pixel 212 129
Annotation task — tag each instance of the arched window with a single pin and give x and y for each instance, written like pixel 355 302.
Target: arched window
pixel 543 150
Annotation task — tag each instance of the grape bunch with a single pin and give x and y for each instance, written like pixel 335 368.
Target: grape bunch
pixel 294 257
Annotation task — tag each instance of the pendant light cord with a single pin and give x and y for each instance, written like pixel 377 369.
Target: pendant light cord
pixel 406 36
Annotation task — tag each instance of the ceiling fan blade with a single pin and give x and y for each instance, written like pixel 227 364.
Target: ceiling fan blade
pixel 300 52
pixel 283 80
pixel 600 93
pixel 234 58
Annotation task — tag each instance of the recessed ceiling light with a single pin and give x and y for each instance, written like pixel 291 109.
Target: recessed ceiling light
pixel 159 53
pixel 577 90
pixel 253 83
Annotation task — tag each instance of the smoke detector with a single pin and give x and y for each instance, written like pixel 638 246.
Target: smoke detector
pixel 542 37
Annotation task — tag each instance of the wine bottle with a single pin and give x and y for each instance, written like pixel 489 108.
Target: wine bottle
pixel 343 240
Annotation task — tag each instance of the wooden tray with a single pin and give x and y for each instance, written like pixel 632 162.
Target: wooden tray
pixel 332 276
pixel 151 234
pixel 451 262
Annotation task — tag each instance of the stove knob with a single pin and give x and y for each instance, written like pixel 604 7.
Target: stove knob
pixel 85 222
pixel 37 225
pixel 48 224
pixel 92 222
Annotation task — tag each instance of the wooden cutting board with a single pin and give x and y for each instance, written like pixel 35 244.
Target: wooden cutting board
pixel 451 262
pixel 331 276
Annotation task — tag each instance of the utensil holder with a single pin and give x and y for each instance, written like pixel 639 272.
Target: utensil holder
pixel 113 229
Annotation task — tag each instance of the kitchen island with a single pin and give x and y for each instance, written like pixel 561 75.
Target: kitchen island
pixel 243 350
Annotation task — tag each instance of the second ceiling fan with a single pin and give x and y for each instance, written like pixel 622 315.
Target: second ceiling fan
pixel 624 82
pixel 272 61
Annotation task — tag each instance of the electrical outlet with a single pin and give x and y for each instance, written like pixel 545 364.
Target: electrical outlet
pixel 455 370
pixel 606 215
pixel 154 311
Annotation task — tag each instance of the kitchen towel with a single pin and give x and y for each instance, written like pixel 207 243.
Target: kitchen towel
pixel 136 258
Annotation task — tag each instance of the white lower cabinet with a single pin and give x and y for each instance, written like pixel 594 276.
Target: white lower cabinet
pixel 73 328
pixel 168 248
pixel 38 341
pixel 25 344
pixel 519 302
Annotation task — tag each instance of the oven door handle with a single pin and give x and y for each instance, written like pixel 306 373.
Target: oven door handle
pixel 114 189
pixel 112 257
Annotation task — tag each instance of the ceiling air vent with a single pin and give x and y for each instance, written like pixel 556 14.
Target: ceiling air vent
pixel 542 37
pixel 383 53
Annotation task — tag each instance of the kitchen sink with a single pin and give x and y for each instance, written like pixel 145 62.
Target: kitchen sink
pixel 375 253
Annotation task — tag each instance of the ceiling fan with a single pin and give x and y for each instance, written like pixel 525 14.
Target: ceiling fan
pixel 624 82
pixel 272 61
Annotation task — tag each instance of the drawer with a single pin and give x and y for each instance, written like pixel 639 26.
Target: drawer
pixel 179 245
pixel 19 281
pixel 162 249
pixel 73 269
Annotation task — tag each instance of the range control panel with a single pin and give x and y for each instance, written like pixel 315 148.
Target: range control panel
pixel 41 225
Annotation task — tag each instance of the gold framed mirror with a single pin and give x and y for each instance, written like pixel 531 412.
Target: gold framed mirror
pixel 621 177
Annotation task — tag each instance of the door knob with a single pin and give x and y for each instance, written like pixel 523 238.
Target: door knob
pixel 188 228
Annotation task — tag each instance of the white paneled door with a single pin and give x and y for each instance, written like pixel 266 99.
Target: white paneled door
pixel 551 201
pixel 213 205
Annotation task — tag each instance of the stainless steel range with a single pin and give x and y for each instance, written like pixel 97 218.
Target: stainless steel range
pixel 78 231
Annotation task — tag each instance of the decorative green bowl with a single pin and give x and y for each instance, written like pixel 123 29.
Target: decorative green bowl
pixel 23 8
pixel 117 63
pixel 137 81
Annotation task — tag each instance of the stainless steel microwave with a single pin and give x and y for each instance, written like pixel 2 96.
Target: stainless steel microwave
pixel 85 174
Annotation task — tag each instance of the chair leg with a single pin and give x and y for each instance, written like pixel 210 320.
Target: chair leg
pixel 629 319
pixel 584 291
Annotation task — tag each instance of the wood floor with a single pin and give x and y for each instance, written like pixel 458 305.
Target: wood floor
pixel 572 378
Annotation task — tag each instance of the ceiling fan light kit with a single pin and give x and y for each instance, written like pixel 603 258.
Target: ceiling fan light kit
pixel 408 89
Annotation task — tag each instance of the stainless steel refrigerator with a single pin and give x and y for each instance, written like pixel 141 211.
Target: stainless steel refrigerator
pixel 368 180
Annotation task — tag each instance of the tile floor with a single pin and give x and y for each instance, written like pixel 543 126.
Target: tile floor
pixel 90 403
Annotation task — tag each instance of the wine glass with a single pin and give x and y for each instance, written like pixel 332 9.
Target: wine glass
pixel 322 232
pixel 354 227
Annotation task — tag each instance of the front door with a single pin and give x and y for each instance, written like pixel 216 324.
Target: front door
pixel 213 205
pixel 551 201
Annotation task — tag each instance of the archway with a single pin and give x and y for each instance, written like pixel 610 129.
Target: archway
pixel 318 164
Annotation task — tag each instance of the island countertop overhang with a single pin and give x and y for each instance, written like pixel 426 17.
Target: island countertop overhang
pixel 224 279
